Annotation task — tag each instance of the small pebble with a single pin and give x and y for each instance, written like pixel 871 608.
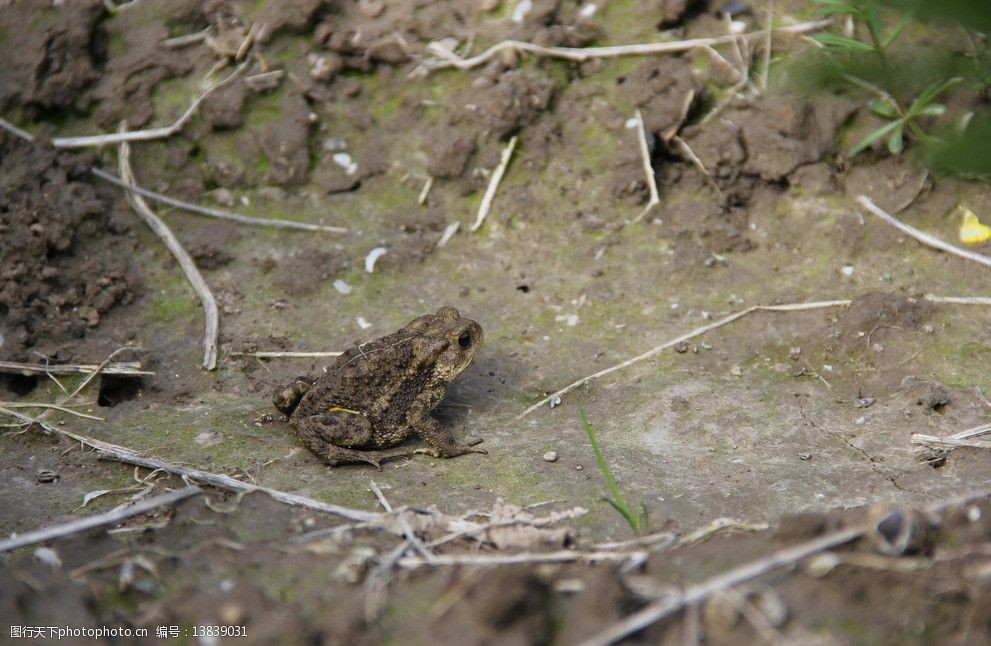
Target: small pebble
pixel 865 402
pixel 578 467
pixel 847 270
pixel 804 456
pixel 47 475
pixel 550 456
pixel 736 371
pixel 681 347
pixel 555 401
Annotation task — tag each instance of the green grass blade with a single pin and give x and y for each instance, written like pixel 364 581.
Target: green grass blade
pixel 930 93
pixel 625 513
pixel 601 460
pixel 896 31
pixel 838 42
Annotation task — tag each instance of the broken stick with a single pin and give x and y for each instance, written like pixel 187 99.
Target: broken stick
pixel 181 255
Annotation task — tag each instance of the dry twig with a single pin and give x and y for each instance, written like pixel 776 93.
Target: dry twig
pixel 959 300
pixel 689 154
pixel 483 208
pixel 698 593
pixel 182 256
pixel 129 456
pixel 425 192
pixel 212 212
pixel 27 421
pixel 98 520
pixel 648 169
pixel 127 368
pixel 447 58
pixel 790 307
pixel 924 238
pixel 717 526
pixel 286 355
pixel 767 47
pixel 963 438
pixel 187 39
pixel 23 134
pixel 150 133
pixel 57 407
pixel 560 556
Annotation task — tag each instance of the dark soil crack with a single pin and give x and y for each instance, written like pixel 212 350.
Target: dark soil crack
pixel 893 479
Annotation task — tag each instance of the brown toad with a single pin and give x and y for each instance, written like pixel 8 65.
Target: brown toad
pixel 380 393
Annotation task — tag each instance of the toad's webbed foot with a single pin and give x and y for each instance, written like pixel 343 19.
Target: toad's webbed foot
pixel 452 450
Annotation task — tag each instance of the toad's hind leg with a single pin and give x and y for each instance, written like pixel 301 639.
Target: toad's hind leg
pixel 332 435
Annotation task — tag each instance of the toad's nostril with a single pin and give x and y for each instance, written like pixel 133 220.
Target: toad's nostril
pixel 465 339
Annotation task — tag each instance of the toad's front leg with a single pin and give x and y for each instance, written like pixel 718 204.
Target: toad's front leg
pixel 441 440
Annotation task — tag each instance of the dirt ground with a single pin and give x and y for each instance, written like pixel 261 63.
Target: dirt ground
pixel 791 424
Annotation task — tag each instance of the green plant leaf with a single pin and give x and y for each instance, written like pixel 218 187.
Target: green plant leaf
pixel 842 43
pixel 874 20
pixel 896 141
pixel 933 110
pixel 930 93
pixel 896 31
pixel 835 7
pixel 883 131
pixel 883 108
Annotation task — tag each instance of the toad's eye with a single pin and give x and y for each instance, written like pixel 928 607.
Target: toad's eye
pixel 465 339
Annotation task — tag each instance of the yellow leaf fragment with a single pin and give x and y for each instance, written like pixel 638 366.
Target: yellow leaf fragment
pixel 972 231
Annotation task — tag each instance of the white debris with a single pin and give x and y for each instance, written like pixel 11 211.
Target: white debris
pixel 522 8
pixel 449 232
pixel 342 287
pixel 571 320
pixel 632 123
pixel 344 161
pixel 48 556
pixel 550 456
pixel 362 323
pixel 555 401
pixel 737 27
pixel 372 257
pixel 334 145
pixel 847 270
pixel 588 10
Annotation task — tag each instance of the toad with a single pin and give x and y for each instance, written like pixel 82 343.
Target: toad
pixel 380 393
